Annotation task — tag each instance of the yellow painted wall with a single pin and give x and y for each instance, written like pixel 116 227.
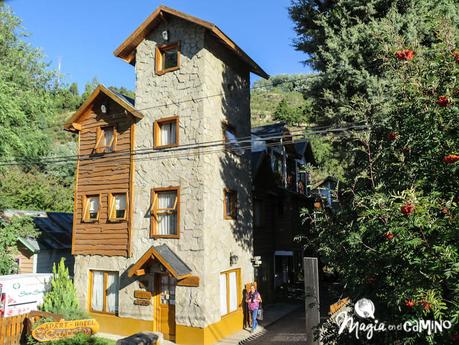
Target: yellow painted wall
pixel 209 335
pixel 121 325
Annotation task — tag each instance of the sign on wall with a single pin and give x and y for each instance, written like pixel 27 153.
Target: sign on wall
pixel 64 329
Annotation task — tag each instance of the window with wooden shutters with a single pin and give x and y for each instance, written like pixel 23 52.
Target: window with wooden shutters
pixel 106 139
pixel 166 132
pixel 165 212
pixel 230 294
pixel 91 208
pixel 229 204
pixel 118 205
pixel 167 58
pixel 104 291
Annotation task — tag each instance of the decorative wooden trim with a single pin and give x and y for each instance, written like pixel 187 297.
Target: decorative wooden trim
pixel 238 286
pixel 126 50
pixel 233 194
pixel 153 220
pixel 142 294
pixel 140 272
pixel 85 208
pixel 157 133
pixel 111 207
pixel 153 254
pixel 131 188
pixel 100 135
pixel 100 89
pixel 105 282
pixel 75 198
pixel 192 281
pixel 160 49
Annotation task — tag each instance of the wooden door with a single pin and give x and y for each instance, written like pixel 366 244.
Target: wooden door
pixel 165 305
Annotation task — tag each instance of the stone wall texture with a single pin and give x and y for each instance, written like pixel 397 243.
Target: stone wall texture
pixel 208 90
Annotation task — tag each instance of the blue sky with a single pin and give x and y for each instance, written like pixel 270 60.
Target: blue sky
pixel 83 34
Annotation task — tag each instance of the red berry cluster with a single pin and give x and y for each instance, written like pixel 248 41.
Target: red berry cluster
pixel 410 303
pixel 443 101
pixel 450 159
pixel 405 54
pixel 456 55
pixel 392 136
pixel 426 305
pixel 389 236
pixel 407 209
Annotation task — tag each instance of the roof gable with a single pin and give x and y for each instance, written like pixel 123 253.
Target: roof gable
pixel 126 102
pixel 127 49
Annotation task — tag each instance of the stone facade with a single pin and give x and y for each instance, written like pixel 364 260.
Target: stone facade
pixel 210 88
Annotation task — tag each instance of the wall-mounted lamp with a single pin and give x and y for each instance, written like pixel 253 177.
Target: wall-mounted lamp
pixel 233 259
pixel 165 35
pixel 103 109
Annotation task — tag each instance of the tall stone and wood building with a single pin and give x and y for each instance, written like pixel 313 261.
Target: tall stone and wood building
pixel 162 229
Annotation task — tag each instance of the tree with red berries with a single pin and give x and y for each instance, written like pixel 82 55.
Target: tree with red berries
pixel 395 238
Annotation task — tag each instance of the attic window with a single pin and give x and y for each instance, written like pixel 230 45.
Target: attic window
pixel 105 139
pixel 167 58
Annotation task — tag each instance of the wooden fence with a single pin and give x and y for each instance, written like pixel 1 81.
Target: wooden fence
pixel 11 329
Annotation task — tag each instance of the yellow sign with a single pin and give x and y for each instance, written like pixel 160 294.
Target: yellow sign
pixel 64 329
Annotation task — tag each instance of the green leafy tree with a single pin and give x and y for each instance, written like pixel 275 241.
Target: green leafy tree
pixel 26 103
pixel 295 116
pixel 35 190
pixel 394 65
pixel 62 298
pixel 10 232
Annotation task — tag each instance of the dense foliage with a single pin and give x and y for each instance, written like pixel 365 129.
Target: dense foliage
pixel 10 231
pixel 394 65
pixel 62 298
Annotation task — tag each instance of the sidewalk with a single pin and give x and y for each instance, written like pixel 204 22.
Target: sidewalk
pixel 272 313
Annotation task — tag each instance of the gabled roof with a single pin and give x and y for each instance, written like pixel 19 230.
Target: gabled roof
pixel 266 132
pixel 124 101
pixel 127 49
pixel 167 258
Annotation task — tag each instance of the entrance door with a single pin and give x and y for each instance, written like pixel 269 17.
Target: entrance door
pixel 165 305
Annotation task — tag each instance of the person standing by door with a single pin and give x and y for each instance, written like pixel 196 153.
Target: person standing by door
pixel 253 301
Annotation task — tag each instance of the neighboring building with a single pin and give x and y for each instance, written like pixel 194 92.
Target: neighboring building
pixel 157 213
pixel 38 255
pixel 327 190
pixel 280 192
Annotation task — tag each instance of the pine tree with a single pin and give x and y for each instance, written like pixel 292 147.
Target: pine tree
pixel 62 298
pixel 394 65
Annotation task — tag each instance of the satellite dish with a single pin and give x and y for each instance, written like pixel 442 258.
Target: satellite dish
pixel 103 108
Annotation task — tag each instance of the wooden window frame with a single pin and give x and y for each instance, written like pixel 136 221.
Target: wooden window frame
pixel 153 212
pixel 233 215
pixel 157 132
pixel 85 209
pixel 160 49
pixel 239 292
pixel 104 307
pixel 100 136
pixel 111 207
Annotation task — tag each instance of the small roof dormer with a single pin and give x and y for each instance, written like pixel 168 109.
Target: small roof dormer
pixel 127 50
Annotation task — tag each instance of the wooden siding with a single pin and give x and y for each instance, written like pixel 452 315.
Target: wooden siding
pixel 25 257
pixel 105 173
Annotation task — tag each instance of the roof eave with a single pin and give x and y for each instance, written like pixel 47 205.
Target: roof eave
pixel 126 51
pixel 71 124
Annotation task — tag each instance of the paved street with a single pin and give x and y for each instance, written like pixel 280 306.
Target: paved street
pixel 288 330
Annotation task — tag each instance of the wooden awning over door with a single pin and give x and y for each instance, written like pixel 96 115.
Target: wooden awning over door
pixel 170 260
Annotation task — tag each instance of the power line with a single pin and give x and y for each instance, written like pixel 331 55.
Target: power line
pixel 304 78
pixel 242 143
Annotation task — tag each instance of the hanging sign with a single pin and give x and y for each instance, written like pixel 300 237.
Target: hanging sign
pixel 64 329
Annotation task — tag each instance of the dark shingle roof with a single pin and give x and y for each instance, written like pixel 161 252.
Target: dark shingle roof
pixel 273 130
pixel 177 264
pixel 125 98
pixel 55 229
